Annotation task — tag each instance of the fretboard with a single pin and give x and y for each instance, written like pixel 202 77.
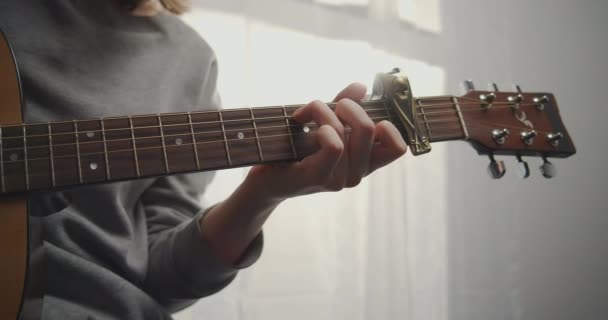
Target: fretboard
pixel 441 118
pixel 70 153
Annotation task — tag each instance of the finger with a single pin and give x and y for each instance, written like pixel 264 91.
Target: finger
pixel 360 141
pixel 321 164
pixel 321 114
pixel 355 91
pixel 391 145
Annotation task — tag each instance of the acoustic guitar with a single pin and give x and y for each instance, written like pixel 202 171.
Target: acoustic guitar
pixel 45 156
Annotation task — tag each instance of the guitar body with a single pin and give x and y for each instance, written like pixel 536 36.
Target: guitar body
pixel 13 209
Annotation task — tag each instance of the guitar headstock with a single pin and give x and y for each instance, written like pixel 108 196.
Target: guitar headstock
pixel 515 123
pixel 496 123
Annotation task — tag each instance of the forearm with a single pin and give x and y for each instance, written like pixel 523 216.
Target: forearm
pixel 230 226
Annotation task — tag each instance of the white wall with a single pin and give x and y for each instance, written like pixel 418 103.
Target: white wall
pixel 534 249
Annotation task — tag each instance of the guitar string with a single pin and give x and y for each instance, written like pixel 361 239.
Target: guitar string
pixel 289 154
pixel 182 145
pixel 170 135
pixel 440 120
pixel 332 105
pixel 376 101
pixel 277 118
pixel 474 127
pixel 444 120
pixel 218 163
pixel 450 109
pixel 369 103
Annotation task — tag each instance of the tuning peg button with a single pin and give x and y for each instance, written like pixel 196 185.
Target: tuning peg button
pixel 500 135
pixel 468 85
pixel 528 136
pixel 540 102
pixel 524 168
pixel 517 88
pixel 548 169
pixel 497 169
pixel 555 138
pixel 487 100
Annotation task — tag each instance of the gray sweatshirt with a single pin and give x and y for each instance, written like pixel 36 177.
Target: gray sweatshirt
pixel 128 250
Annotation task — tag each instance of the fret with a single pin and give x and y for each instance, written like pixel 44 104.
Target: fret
pixel 225 139
pixel 119 141
pixel 179 142
pixel 293 146
pixel 240 136
pixel 105 149
pixel 91 151
pixel 27 174
pixel 13 158
pixel 51 155
pixel 3 184
pixel 440 115
pixel 459 111
pixel 257 136
pixel 274 135
pixel 210 140
pixel 302 134
pixel 77 141
pixel 38 154
pixel 424 117
pixel 162 138
pixel 150 155
pixel 64 151
pixel 137 171
pixel 194 146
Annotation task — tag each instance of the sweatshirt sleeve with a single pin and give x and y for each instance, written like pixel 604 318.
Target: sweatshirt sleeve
pixel 181 265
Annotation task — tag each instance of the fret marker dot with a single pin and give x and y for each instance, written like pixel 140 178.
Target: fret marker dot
pixel 241 136
pixel 179 141
pixel 93 166
pixel 306 129
pixel 14 157
pixel 90 135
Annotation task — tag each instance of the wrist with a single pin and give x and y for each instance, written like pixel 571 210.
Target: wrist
pixel 258 191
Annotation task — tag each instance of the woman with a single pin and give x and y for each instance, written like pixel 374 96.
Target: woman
pixel 144 249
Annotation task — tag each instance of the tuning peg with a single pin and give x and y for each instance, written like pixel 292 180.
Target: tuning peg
pixel 517 88
pixel 497 168
pixel 524 168
pixel 555 138
pixel 500 135
pixel 494 86
pixel 548 169
pixel 528 136
pixel 468 85
pixel 540 102
pixel 395 71
pixel 515 100
pixel 487 100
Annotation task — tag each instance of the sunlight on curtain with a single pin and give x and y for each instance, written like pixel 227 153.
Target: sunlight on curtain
pixel 423 14
pixel 373 252
pixel 344 2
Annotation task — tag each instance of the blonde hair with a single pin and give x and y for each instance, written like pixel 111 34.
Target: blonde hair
pixel 174 6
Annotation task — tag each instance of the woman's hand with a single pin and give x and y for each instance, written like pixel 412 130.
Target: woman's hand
pixel 230 226
pixel 340 162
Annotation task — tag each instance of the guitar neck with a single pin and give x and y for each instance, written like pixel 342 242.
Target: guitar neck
pixel 61 154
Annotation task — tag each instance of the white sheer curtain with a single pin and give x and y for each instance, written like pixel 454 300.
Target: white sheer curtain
pixel 424 14
pixel 374 252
